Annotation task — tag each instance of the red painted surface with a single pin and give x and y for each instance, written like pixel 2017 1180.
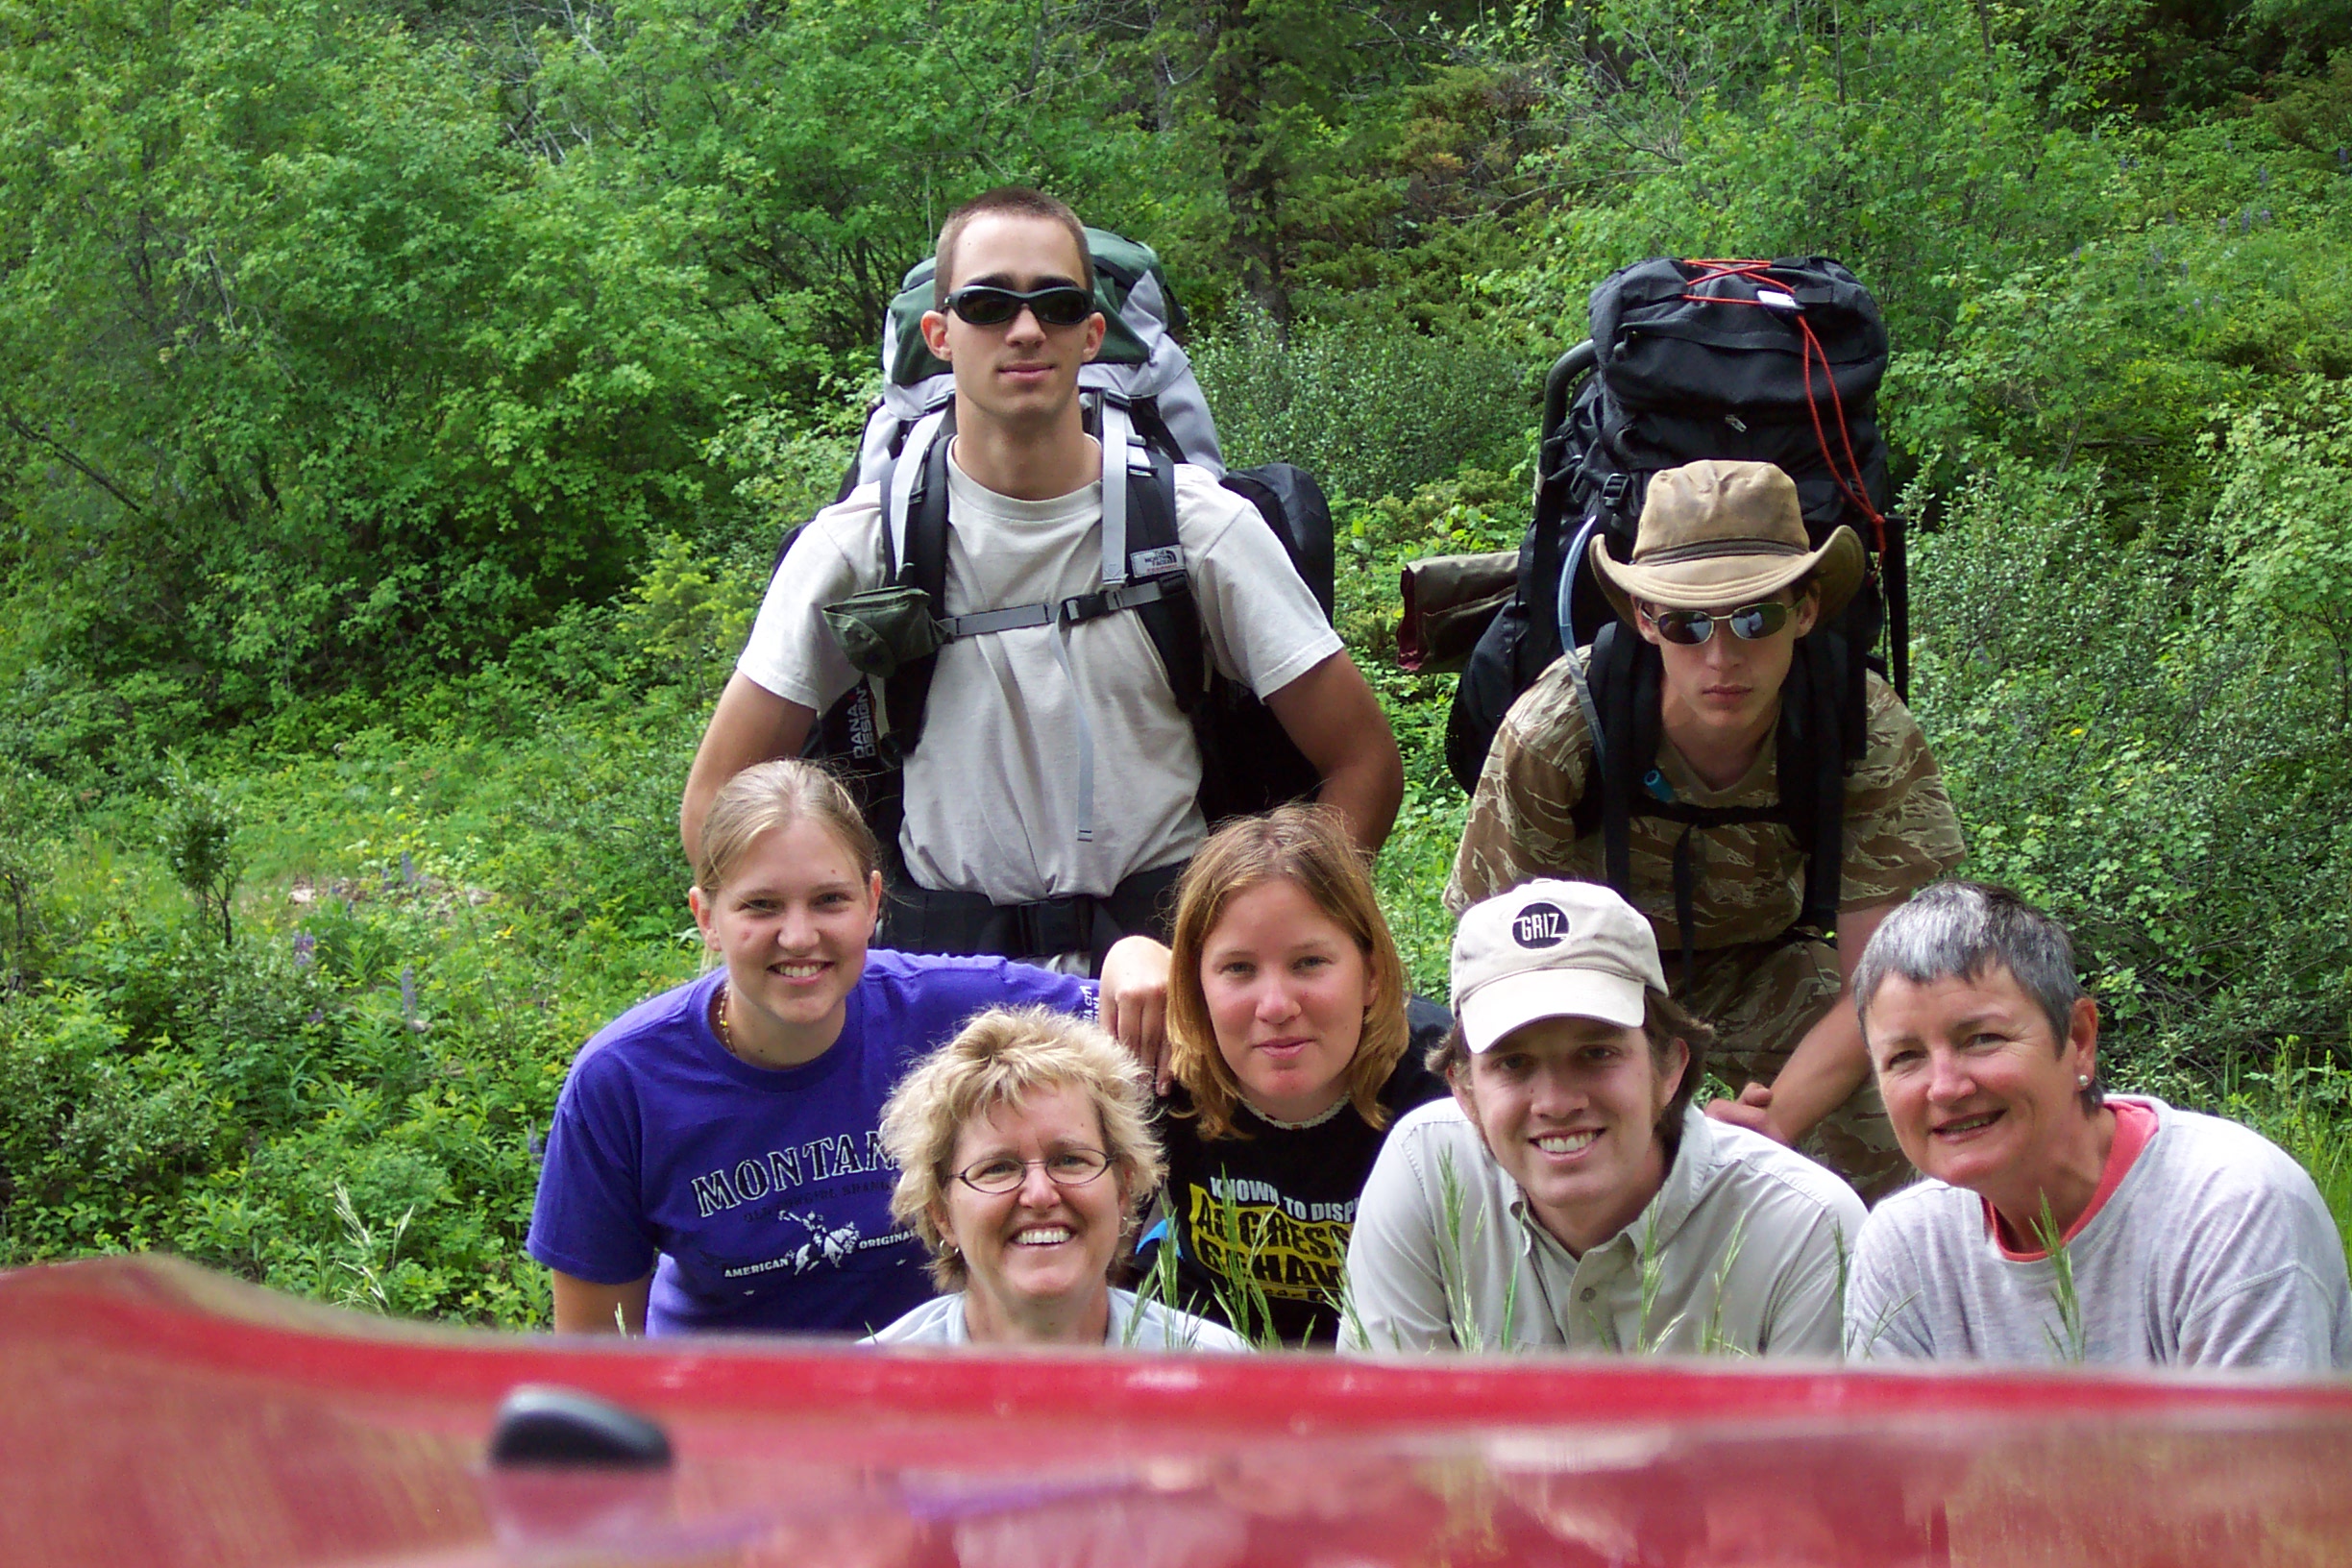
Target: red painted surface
pixel 151 1413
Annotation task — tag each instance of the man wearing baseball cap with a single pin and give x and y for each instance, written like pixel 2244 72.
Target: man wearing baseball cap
pixel 1569 1194
pixel 1722 583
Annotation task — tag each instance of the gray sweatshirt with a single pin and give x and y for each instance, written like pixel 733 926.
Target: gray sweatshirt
pixel 2214 1250
pixel 1748 1238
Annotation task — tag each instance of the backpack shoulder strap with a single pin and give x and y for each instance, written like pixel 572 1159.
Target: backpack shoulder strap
pixel 1173 620
pixel 1624 677
pixel 1585 814
pixel 1627 676
pixel 1624 682
pixel 914 541
pixel 1142 563
pixel 1812 771
pixel 1142 569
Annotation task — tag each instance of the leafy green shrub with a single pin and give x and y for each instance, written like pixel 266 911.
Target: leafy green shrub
pixel 2284 519
pixel 1892 138
pixel 787 465
pixel 1371 409
pixel 688 615
pixel 94 1138
pixel 199 826
pixel 31 809
pixel 2166 777
pixel 343 1099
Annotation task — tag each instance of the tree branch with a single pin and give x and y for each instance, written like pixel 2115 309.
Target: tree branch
pixel 40 436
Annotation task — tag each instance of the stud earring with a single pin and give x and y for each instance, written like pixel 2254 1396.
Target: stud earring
pixel 2082 1080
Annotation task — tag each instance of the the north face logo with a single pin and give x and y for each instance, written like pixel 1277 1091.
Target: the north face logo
pixel 1540 926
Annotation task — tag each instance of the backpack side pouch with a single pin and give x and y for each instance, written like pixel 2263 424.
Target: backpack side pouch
pixel 1449 602
pixel 881 630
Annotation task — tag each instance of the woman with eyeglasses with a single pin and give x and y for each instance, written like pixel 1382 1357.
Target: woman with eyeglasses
pixel 714 1161
pixel 1023 1148
pixel 1702 682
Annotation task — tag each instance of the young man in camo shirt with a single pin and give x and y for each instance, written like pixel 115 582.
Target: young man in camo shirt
pixel 1722 582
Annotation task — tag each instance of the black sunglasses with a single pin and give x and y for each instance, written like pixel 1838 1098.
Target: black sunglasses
pixel 1056 305
pixel 1749 622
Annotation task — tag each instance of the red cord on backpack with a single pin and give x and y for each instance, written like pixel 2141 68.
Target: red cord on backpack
pixel 1759 274
pixel 1855 492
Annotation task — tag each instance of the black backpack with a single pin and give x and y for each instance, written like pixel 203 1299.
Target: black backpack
pixel 1248 761
pixel 1772 361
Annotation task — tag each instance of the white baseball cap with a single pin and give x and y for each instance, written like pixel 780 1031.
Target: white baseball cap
pixel 1552 950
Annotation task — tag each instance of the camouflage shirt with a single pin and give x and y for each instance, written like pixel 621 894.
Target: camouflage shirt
pixel 1900 833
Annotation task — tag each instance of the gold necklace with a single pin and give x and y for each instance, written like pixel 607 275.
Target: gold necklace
pixel 718 1019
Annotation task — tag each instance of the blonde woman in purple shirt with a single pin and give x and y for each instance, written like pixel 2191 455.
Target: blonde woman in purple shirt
pixel 714 1161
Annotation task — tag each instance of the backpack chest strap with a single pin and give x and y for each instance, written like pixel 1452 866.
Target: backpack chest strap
pixel 1690 815
pixel 1138 508
pixel 1072 611
pixel 1063 615
pixel 1683 859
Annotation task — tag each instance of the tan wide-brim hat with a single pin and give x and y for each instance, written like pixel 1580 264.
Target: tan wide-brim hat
pixel 1716 535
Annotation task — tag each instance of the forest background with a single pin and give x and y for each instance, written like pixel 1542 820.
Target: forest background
pixel 401 401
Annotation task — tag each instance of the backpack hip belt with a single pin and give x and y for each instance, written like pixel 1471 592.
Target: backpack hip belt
pixel 936 920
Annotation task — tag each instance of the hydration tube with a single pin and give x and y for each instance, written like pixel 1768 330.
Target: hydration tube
pixel 1564 613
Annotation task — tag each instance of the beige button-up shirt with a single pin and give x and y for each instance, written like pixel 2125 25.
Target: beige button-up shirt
pixel 1741 1251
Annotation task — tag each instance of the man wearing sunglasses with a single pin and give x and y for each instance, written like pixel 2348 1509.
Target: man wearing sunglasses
pixel 1722 583
pixel 1055 767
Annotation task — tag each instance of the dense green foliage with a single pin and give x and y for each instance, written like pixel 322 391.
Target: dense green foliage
pixel 400 401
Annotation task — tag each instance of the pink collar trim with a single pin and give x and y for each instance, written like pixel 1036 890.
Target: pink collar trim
pixel 2135 1125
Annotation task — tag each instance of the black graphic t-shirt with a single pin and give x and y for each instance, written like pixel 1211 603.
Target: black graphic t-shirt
pixel 1280 1201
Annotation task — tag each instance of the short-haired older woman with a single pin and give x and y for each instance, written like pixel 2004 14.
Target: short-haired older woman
pixel 2188 1239
pixel 1022 1151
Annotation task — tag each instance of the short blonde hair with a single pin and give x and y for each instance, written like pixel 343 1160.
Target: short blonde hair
pixel 1308 846
pixel 1002 1057
pixel 772 795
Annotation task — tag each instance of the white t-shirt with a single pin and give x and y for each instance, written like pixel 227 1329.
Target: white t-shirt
pixel 2213 1250
pixel 1747 1239
pixel 1135 1325
pixel 991 795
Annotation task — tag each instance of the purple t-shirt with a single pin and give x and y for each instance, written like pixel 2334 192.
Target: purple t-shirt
pixel 759 1196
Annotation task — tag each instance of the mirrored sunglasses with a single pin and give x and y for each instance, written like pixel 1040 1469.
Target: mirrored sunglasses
pixel 1749 622
pixel 1059 304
